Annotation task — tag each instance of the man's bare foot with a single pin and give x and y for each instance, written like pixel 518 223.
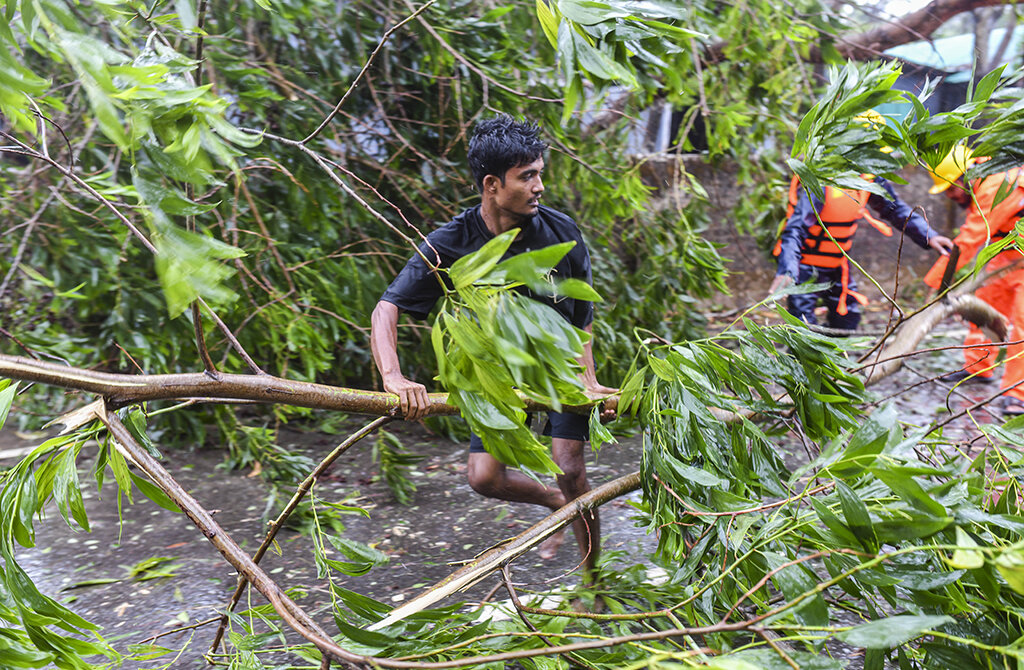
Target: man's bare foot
pixel 581 606
pixel 548 549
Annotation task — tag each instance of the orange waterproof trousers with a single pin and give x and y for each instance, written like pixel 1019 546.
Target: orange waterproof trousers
pixel 1006 295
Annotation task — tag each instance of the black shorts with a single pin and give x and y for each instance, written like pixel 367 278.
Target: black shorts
pixel 564 425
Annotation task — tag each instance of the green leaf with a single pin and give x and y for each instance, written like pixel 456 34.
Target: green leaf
pixel 532 267
pixel 85 583
pixel 892 631
pixel 362 558
pixel 881 428
pixel 902 527
pixel 598 63
pixel 857 517
pixel 186 14
pixel 135 422
pixel 577 289
pixel 364 606
pixel 548 22
pixel 987 85
pixel 366 638
pixel 967 558
pixel 154 493
pixel 188 266
pixel 698 476
pixel 479 411
pixel 833 523
pixel 14 654
pixel 794 581
pixel 471 267
pixel 1010 564
pixel 67 491
pixel 599 434
pixel 909 491
pixel 8 390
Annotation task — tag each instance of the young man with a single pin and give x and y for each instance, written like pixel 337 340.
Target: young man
pixel 507 161
pixel 807 252
pixel 992 213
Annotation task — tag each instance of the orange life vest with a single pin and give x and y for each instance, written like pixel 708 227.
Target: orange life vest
pixel 827 242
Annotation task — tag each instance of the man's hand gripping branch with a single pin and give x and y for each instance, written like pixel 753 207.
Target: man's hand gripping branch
pixel 412 396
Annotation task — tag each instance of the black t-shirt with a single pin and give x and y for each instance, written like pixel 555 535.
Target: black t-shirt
pixel 416 290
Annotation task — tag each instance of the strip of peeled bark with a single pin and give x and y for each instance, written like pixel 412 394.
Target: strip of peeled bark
pixel 906 338
pixel 496 557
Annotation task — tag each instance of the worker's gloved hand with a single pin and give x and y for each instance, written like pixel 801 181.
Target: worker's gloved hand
pixel 942 244
pixel 780 282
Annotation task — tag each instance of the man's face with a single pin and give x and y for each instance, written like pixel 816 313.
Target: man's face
pixel 958 194
pixel 519 195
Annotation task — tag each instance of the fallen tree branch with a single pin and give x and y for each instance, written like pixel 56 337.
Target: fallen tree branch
pixel 278 523
pixel 300 621
pixel 119 390
pixel 912 331
pixel 295 616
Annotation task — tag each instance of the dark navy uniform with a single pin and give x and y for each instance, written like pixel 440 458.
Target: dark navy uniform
pixel 809 254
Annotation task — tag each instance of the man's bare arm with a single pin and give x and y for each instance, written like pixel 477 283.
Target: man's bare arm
pixel 593 388
pixel 412 396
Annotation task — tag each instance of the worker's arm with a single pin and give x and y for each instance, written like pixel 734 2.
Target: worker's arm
pixel 793 237
pixel 983 222
pixel 412 396
pixel 902 216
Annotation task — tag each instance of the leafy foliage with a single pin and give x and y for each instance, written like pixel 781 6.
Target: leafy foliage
pixel 493 344
pixel 158 189
pixel 693 462
pixel 395 462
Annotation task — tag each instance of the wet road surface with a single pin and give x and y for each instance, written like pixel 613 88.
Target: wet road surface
pixel 446 523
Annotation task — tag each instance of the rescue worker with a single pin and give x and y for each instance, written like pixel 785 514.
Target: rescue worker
pixel 990 217
pixel 816 252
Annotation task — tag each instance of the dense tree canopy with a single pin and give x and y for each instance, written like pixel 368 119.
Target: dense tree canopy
pixel 220 193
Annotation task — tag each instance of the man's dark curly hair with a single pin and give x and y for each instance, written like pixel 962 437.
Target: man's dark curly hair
pixel 502 143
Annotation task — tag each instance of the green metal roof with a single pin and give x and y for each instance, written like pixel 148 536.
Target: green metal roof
pixel 955 55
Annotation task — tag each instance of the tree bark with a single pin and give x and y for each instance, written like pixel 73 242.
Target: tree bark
pixel 872 43
pixel 119 390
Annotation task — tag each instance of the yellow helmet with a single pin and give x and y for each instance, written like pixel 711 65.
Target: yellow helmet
pixel 872 120
pixel 951 168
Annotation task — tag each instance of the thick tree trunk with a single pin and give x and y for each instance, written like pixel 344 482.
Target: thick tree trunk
pixel 913 330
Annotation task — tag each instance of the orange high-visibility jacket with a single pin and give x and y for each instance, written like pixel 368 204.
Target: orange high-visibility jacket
pixel 987 221
pixel 805 241
pixel 840 212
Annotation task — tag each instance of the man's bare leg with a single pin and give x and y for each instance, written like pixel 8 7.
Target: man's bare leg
pixel 568 455
pixel 489 477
